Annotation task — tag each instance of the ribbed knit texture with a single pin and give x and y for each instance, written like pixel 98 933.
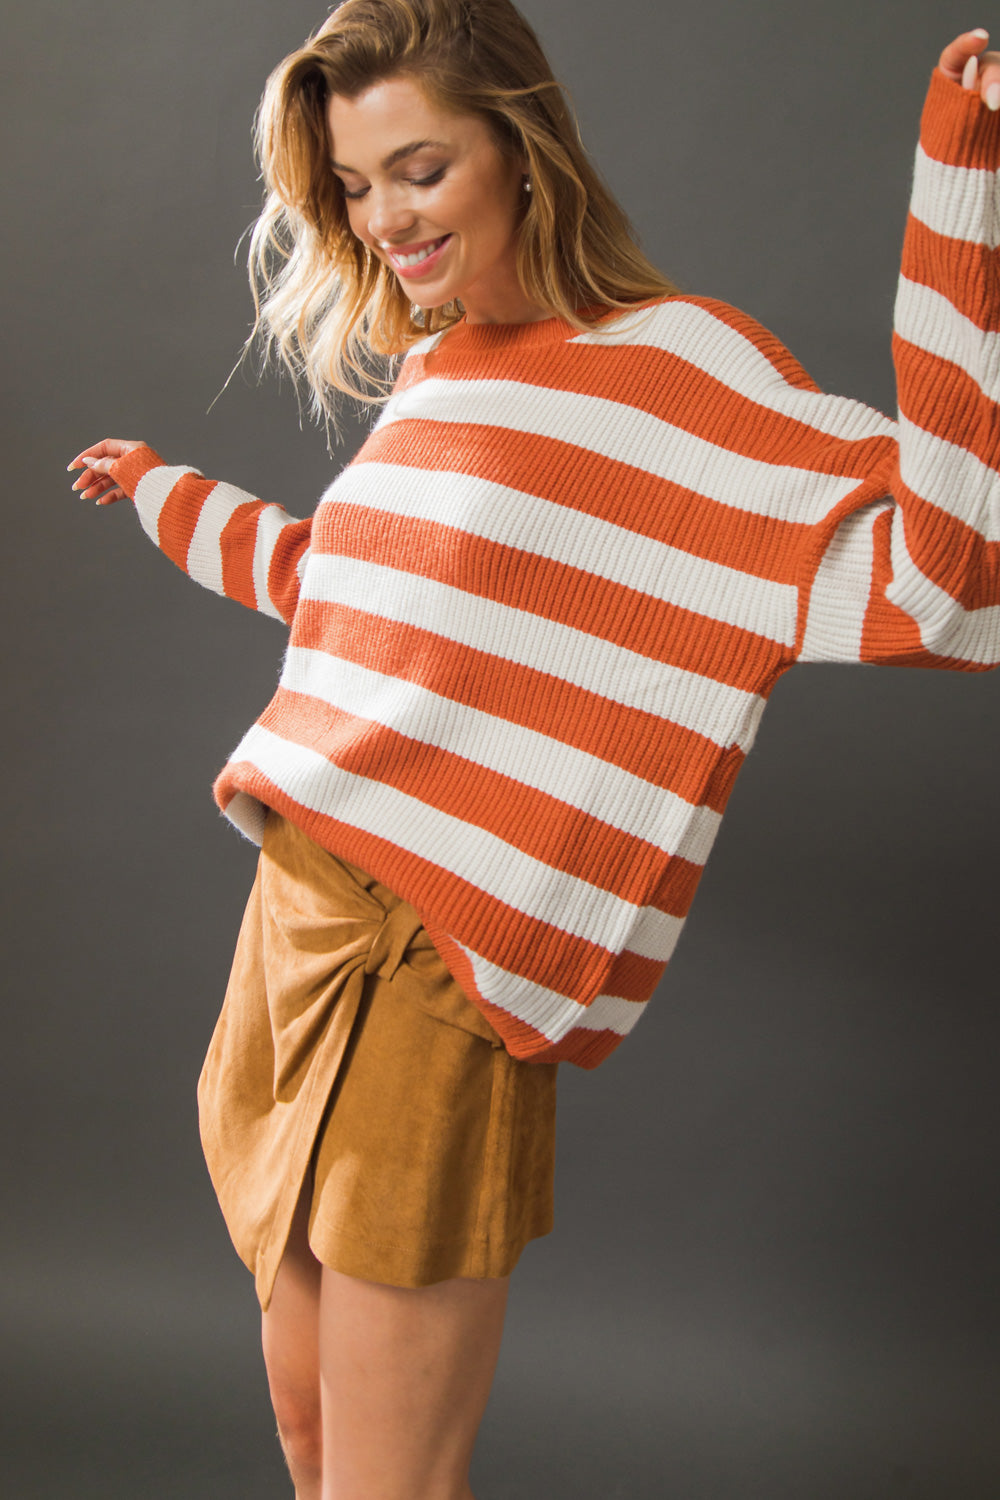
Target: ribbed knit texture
pixel 535 622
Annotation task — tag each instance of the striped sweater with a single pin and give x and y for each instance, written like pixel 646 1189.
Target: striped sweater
pixel 535 621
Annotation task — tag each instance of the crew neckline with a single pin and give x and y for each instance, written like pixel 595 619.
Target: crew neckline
pixel 470 337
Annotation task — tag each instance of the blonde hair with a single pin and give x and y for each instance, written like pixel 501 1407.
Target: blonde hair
pixel 330 309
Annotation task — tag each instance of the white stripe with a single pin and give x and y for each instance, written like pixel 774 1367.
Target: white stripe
pixel 204 555
pixel 629 436
pixel 151 495
pixel 700 337
pixel 974 635
pixel 552 1014
pixel 271 522
pixel 546 1010
pixel 426 344
pixel 930 322
pixel 655 935
pixel 945 627
pixel 578 779
pixel 611 1013
pixel 248 815
pixel 498 869
pixel 566 535
pixel 721 713
pixel 841 590
pixel 957 202
pixel 951 478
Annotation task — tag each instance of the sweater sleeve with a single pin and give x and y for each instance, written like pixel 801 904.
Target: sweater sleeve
pixel 223 537
pixel 901 561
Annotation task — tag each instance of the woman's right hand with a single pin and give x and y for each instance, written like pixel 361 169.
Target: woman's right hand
pixel 95 483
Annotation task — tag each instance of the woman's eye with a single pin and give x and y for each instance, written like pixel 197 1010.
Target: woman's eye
pixel 413 181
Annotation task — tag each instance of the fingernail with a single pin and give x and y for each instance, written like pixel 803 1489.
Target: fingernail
pixel 980 31
pixel 970 73
pixel 993 96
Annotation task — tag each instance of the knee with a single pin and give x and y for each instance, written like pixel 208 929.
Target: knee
pixel 301 1434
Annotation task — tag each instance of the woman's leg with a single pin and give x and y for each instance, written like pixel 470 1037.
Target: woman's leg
pixel 290 1336
pixel 405 1374
pixel 387 1384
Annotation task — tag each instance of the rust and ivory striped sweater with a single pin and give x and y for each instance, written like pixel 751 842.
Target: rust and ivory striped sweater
pixel 535 622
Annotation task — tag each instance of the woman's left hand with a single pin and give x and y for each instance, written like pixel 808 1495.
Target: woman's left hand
pixel 966 61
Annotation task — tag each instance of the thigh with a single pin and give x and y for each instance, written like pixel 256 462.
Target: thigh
pixel 290 1328
pixel 405 1377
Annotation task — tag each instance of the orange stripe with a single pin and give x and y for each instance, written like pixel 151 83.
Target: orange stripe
pixel 679 392
pixel 500 933
pixel 283 580
pixel 633 977
pixel 942 398
pixel 133 466
pixel 677 887
pixel 665 754
pixel 553 591
pixel 607 488
pixel 549 830
pixel 953 555
pixel 587 1049
pixel 412 370
pixel 960 270
pixel 179 516
pixel 237 544
pixel 946 136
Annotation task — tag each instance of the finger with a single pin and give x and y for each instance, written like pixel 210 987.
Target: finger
pixel 955 56
pixel 988 82
pixel 106 448
pixel 112 495
pixel 99 491
pixel 94 478
pixel 93 468
pixel 97 450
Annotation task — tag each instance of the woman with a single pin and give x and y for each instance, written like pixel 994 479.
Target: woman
pixel 534 625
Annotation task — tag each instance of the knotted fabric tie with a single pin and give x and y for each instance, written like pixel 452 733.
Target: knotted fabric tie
pixel 401 931
pixel 321 956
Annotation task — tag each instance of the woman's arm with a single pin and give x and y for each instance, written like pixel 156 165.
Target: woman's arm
pixel 222 536
pixel 905 567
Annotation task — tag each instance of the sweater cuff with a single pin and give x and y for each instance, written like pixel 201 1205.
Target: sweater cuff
pixel 957 128
pixel 132 466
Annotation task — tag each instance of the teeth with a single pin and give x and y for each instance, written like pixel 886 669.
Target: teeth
pixel 414 260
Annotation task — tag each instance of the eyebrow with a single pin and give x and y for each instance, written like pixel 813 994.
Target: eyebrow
pixel 393 157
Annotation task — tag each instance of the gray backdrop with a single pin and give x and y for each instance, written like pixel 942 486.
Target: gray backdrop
pixel 773 1272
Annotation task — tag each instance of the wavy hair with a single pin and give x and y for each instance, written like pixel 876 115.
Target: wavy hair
pixel 328 308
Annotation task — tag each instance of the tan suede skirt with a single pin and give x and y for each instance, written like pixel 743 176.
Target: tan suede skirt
pixel 346 1062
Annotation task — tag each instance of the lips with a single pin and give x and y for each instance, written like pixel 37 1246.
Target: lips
pixel 418 259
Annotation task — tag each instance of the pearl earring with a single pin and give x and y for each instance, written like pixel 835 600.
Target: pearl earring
pixel 527 184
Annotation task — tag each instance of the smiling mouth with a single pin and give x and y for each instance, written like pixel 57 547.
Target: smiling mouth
pixel 418 257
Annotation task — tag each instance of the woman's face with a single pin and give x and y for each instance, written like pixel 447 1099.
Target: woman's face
pixel 430 193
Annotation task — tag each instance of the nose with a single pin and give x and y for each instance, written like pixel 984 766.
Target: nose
pixel 390 215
